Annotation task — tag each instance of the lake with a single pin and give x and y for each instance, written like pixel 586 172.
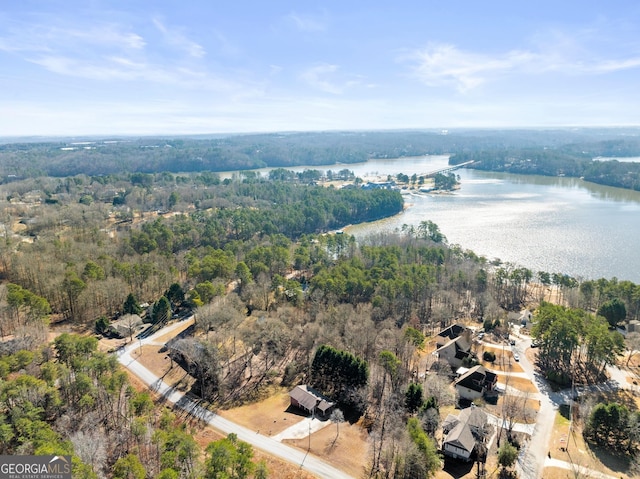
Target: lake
pixel 558 225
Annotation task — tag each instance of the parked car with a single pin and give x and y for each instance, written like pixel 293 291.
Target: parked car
pixel 535 344
pixel 512 342
pixel 516 357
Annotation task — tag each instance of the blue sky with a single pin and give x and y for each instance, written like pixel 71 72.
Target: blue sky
pixel 101 67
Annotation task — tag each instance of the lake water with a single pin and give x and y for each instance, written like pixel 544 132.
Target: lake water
pixel 558 225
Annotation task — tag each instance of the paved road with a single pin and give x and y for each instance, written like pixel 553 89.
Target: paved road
pixel 582 471
pixel 310 463
pixel 531 460
pixel 534 456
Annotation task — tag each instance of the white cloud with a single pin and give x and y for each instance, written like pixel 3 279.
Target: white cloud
pixel 444 64
pixel 105 35
pixel 615 65
pixel 318 77
pixel 307 23
pixel 118 68
pixel 177 39
pixel 327 77
pixel 50 38
pixel 113 52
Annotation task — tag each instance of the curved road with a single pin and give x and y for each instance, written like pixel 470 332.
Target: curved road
pixel 536 454
pixel 267 444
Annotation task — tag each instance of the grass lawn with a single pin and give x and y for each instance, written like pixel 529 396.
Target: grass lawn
pixel 269 417
pixel 159 363
pixel 347 450
pixel 504 360
pixel 570 446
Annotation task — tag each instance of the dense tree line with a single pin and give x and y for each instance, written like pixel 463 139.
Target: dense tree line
pixel 245 231
pixel 338 373
pixel 246 152
pixel 575 161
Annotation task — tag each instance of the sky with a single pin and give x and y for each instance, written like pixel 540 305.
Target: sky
pixel 168 67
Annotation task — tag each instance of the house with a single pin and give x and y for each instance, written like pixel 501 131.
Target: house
pixel 446 335
pixel 383 185
pixel 463 431
pixel 126 326
pixel 454 345
pixel 475 383
pixel 524 318
pixel 455 351
pixel 309 400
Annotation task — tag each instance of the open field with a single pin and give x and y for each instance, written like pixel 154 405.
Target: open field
pixel 269 417
pixel 159 363
pixel 346 450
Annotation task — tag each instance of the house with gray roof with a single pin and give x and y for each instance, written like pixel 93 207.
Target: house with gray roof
pixel 309 400
pixel 463 432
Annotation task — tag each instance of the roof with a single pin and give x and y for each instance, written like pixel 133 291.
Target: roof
pixel 459 429
pixel 473 379
pixel 127 324
pixel 452 331
pixel 460 436
pixel 309 398
pixel 473 416
pixel 460 343
pixel 450 422
pixel 490 378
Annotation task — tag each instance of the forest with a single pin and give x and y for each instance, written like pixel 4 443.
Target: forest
pixel 279 300
pixel 60 157
pixel 573 160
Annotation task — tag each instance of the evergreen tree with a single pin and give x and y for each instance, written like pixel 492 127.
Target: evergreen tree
pixel 161 310
pixel 414 397
pixel 175 294
pixel 131 305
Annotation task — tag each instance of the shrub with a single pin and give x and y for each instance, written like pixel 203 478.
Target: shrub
pixel 489 356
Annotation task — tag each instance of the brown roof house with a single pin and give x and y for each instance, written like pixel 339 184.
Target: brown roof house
pixel 310 400
pixel 463 432
pixel 454 345
pixel 475 383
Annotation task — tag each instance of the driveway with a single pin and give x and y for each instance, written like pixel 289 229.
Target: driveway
pixel 191 405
